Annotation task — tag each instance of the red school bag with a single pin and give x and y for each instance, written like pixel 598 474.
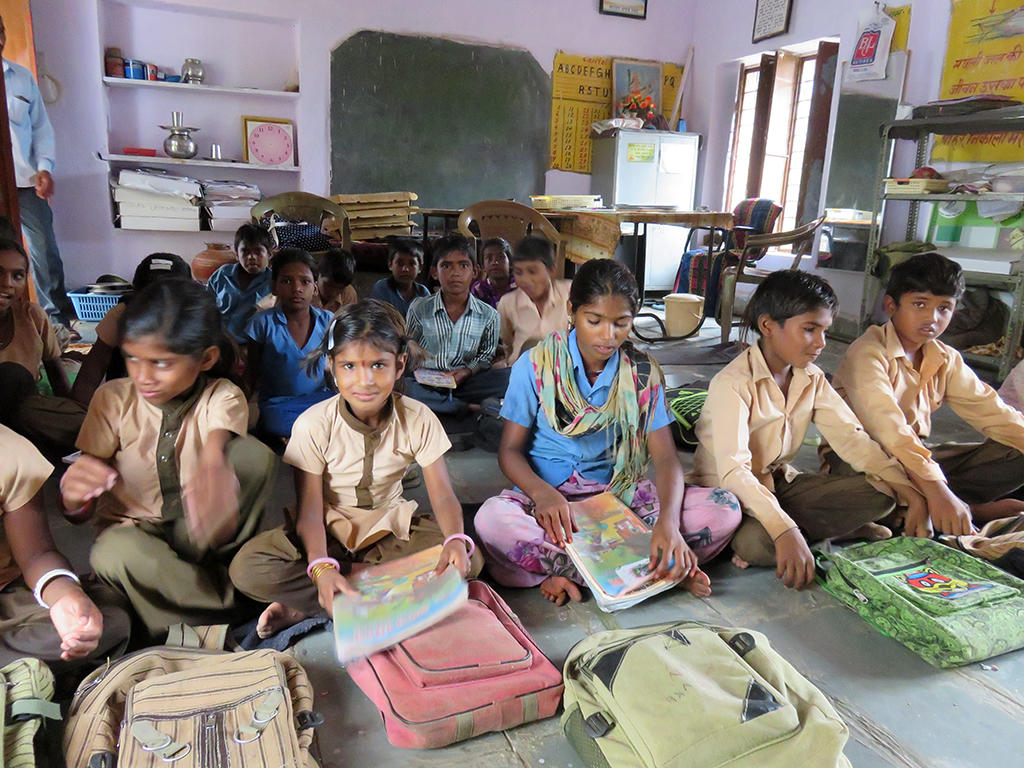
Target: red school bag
pixel 473 672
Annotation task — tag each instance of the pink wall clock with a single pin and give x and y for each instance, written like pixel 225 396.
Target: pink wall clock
pixel 268 141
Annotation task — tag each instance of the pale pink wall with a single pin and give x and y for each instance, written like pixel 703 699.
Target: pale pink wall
pixel 68 32
pixel 724 38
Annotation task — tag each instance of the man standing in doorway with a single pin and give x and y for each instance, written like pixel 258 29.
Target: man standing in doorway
pixel 33 147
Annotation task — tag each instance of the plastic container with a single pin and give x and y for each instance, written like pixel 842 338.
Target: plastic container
pixel 91 307
pixel 683 312
pixel 135 69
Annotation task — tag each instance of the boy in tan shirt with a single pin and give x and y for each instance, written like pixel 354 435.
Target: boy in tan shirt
pixel 896 375
pixel 539 305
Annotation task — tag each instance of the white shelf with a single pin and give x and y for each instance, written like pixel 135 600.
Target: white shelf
pixel 144 160
pixel 123 82
pixel 938 197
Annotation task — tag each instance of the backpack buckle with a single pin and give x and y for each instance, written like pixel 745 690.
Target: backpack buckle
pixel 742 644
pixel 597 725
pixel 307 719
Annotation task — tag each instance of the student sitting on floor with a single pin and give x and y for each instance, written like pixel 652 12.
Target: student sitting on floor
pixel 105 360
pixel 349 455
pixel 166 467
pixel 539 305
pixel 583 412
pixel 279 339
pixel 497 279
pixel 241 286
pixel 458 331
pixel 44 610
pixel 334 286
pixel 757 413
pixel 28 346
pixel 896 375
pixel 405 260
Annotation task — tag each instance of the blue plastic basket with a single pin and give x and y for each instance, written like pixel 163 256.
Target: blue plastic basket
pixel 91 307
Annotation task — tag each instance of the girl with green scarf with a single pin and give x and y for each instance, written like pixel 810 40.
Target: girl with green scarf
pixel 585 413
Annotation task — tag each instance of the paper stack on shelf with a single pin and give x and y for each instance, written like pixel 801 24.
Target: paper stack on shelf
pixel 156 201
pixel 229 203
pixel 378 214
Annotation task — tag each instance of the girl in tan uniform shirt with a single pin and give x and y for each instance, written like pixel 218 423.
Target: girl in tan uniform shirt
pixel 349 454
pixel 176 484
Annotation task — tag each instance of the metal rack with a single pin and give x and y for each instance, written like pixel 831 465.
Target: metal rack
pixel 921 130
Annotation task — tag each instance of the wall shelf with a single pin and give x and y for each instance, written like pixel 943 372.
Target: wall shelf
pixel 938 197
pixel 123 82
pixel 144 160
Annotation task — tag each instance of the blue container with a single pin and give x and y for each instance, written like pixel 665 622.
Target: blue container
pixel 135 69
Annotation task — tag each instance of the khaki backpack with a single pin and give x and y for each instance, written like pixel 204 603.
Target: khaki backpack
pixel 688 695
pixel 193 707
pixel 26 687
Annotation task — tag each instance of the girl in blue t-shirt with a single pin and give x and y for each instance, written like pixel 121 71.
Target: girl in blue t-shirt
pixel 583 413
pixel 279 340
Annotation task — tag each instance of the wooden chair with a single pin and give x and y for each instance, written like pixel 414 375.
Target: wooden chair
pixel 304 206
pixel 512 221
pixel 801 239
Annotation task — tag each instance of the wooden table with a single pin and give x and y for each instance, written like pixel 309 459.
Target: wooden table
pixel 585 220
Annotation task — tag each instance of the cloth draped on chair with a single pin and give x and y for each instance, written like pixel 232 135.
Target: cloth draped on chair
pixel 700 271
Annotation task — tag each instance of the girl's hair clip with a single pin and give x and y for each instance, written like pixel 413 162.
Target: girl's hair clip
pixel 330 334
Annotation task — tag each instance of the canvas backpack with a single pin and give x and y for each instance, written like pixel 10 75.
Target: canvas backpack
pixel 193 707
pixel 690 695
pixel 475 671
pixel 946 606
pixel 26 690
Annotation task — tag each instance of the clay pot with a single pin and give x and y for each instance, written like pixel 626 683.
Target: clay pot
pixel 205 263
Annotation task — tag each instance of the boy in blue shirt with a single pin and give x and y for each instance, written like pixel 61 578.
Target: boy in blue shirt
pixel 239 287
pixel 405 260
pixel 279 341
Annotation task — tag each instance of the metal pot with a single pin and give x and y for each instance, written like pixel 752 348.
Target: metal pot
pixel 180 143
pixel 192 71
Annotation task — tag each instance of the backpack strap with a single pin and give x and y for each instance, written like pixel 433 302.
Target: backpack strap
pixel 265 711
pixel 211 637
pixel 157 742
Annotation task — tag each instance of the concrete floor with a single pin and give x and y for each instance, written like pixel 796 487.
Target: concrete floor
pixel 901 711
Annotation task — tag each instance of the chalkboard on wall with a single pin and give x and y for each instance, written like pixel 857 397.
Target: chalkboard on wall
pixel 454 122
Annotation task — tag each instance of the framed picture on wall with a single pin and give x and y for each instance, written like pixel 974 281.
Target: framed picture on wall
pixel 634 9
pixel 771 18
pixel 631 77
pixel 268 141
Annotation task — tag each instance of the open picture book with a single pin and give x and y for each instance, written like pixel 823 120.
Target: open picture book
pixel 611 551
pixel 396 600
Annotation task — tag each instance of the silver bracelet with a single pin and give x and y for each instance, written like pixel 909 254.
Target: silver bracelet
pixel 46 578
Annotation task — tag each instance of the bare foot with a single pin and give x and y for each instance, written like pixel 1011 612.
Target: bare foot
pixel 558 589
pixel 739 562
pixel 869 531
pixel 276 617
pixel 994 510
pixel 699 585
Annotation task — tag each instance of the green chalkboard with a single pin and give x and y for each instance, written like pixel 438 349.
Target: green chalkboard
pixel 454 122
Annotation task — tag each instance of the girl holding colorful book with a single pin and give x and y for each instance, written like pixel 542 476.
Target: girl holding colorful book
pixel 349 454
pixel 585 413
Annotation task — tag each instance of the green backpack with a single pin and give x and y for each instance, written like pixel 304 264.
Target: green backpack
pixel 26 687
pixel 946 606
pixel 689 695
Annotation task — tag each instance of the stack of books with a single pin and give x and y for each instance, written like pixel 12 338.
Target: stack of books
pixel 612 551
pixel 229 203
pixel 152 199
pixel 379 214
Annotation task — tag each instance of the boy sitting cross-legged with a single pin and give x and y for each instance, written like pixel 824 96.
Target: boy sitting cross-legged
pixel 896 375
pixel 458 332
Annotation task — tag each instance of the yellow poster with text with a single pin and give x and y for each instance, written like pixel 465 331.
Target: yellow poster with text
pixel 985 56
pixel 581 94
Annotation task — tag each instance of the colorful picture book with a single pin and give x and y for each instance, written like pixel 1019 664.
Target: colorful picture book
pixel 611 551
pixel 396 600
pixel 429 378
